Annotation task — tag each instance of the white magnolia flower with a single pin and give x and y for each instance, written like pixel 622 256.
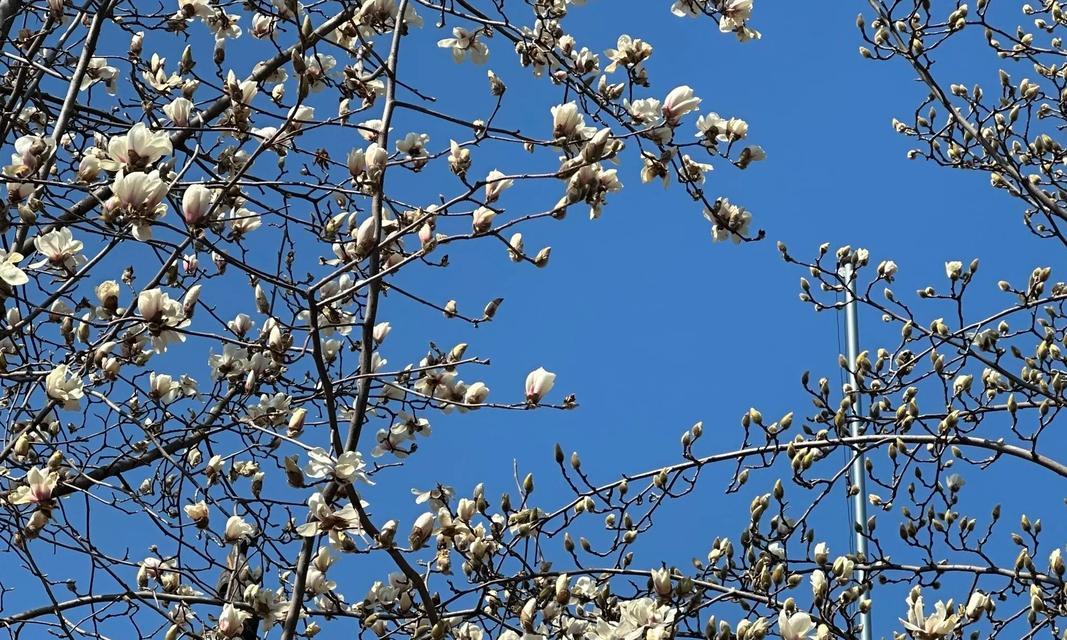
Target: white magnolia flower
pixel 319 69
pixel 232 621
pixel 438 497
pixel 317 582
pixel 459 158
pixel 366 166
pixel 644 111
pixel 270 606
pixel 482 219
pixel 157 77
pixel 67 391
pixel 347 468
pixel 242 222
pixel 414 145
pixel 271 410
pixel 38 488
pixel 194 8
pixel 89 166
pixel 30 152
pixel 628 52
pixel 538 383
pixel 139 196
pixel 59 249
pixel 163 388
pixel 199 513
pixel 819 585
pixel 591 184
pixel 138 190
pixel 196 202
pixel 822 552
pixel 163 317
pixel 640 618
pixel 938 625
pixel 246 90
pixel 179 111
pixel 693 171
pixel 299 117
pixel 795 626
pixel 326 520
pixel 222 25
pixel 568 124
pixel 953 269
pixel 515 247
pixel 421 530
pixel 476 393
pixel 495 184
pixel 370 130
pixel 378 14
pixel 262 26
pixel 734 15
pixel 237 529
pixel 686 8
pixel 381 330
pixel 887 269
pixel 962 384
pixel 464 43
pixel 139 147
pixel 1055 561
pixel 98 70
pixel 661 581
pixel 679 102
pixel 9 271
pixel 977 604
pixel 713 127
pixel 730 222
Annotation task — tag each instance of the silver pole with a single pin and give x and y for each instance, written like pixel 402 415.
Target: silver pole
pixel 859 477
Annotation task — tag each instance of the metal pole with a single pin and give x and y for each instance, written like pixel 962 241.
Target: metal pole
pixel 859 477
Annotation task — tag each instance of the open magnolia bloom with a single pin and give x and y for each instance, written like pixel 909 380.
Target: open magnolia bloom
pixel 37 489
pixel 162 318
pixel 324 519
pixel 138 200
pixel 237 529
pixel 9 271
pixel 795 626
pixel 60 250
pixel 139 148
pixel 640 618
pixel 232 621
pixel 464 44
pixel 939 624
pixel 65 388
pixel 348 467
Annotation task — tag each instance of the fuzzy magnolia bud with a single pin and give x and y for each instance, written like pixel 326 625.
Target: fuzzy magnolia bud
pixel 490 309
pixel 296 422
pixel 262 303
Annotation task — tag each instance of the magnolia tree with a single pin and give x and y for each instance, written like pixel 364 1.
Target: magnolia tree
pixel 208 204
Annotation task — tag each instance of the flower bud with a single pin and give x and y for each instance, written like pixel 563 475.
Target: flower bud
pixel 421 530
